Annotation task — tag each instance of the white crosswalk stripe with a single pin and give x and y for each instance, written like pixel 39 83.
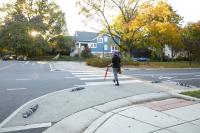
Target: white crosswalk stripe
pixel 109 82
pixel 90 75
pixel 97 77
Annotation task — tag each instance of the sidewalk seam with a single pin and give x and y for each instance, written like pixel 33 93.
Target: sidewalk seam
pixel 178 124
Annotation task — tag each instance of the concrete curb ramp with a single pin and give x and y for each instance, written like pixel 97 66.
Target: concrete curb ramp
pixel 79 121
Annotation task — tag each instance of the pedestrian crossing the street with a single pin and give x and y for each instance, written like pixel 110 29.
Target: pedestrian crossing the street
pixel 90 75
pixel 97 77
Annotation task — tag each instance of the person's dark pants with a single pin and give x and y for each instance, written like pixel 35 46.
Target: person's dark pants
pixel 115 72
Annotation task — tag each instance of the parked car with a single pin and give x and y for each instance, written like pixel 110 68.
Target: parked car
pixel 141 59
pixel 21 58
pixel 9 57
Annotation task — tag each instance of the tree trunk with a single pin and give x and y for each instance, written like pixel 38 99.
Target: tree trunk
pixel 190 58
pixel 161 54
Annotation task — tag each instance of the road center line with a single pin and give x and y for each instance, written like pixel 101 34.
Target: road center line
pixel 18 128
pixel 16 89
pixel 24 79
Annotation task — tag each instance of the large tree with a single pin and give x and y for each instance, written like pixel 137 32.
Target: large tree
pixel 135 21
pixel 29 24
pixel 48 12
pixel 102 10
pixel 163 27
pixel 62 44
pixel 191 40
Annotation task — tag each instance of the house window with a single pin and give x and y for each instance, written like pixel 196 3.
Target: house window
pixel 105 39
pixel 93 45
pixel 114 48
pixel 105 47
pixel 100 40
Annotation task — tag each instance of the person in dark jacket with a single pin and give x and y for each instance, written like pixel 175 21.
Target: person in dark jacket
pixel 116 67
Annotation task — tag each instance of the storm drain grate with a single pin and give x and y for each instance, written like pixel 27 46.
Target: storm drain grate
pixel 30 111
pixel 155 81
pixel 183 84
pixel 77 89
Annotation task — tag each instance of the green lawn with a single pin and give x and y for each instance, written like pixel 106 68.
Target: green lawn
pixel 179 64
pixel 192 93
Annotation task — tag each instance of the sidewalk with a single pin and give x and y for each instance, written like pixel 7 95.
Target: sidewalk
pixel 138 107
pixel 172 115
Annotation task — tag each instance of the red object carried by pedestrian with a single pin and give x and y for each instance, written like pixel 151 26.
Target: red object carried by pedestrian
pixel 106 72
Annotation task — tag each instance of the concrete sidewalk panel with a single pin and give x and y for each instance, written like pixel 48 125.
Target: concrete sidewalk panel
pixel 185 128
pixel 121 124
pixel 147 115
pixel 187 113
pixel 76 123
pixel 97 123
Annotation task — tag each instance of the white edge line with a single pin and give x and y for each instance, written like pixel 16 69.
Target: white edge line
pixel 16 89
pixel 21 107
pixel 18 128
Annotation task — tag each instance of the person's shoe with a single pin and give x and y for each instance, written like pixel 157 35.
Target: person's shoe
pixel 113 80
pixel 116 84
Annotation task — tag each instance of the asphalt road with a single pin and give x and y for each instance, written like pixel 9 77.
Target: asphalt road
pixel 189 76
pixel 21 82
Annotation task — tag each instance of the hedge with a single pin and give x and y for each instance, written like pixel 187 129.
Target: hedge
pixel 103 62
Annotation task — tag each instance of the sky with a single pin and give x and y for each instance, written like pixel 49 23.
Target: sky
pixel 189 9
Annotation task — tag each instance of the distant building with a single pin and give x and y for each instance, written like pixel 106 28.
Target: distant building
pixel 167 51
pixel 100 44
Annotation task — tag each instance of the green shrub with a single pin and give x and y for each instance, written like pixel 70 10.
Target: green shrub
pixel 86 53
pixel 103 62
pixel 98 62
pixel 129 61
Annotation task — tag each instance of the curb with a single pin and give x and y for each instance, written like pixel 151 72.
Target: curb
pixel 185 97
pixel 4 122
pixel 80 121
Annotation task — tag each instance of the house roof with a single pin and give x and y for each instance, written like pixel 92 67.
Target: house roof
pixel 83 36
